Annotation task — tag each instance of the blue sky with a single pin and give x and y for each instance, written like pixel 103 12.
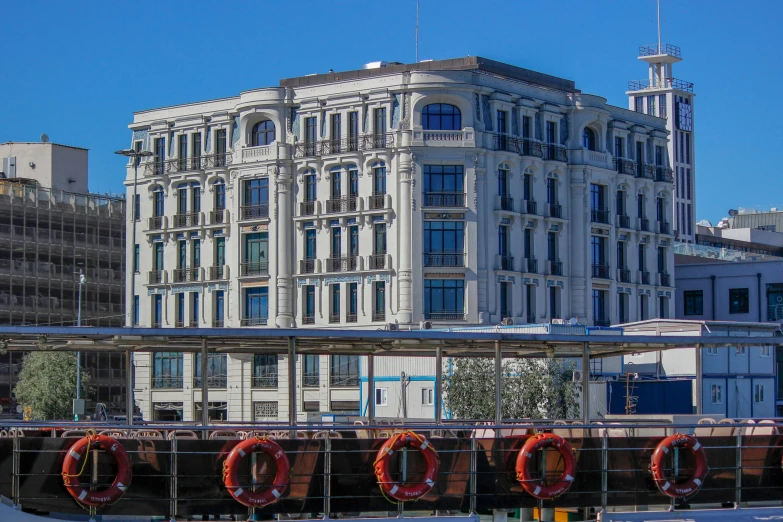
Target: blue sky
pixel 78 70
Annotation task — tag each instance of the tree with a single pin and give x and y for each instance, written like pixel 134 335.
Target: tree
pixel 532 388
pixel 47 385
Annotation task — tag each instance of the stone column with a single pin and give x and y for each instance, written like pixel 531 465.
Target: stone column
pixel 285 234
pixel 484 255
pixel 405 312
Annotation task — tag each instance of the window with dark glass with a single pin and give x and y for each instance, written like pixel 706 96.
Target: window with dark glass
pixel 344 370
pixel 661 259
pixel 739 301
pixel 380 238
pixel 597 197
pixel 380 121
pixel 622 307
pixel 308 292
pixel 554 303
pixel 638 103
pixel 660 206
pixel 194 308
pixel 526 125
pixel 662 106
pixel 600 317
pixel 527 243
pixel 136 256
pixel 183 151
pixel 220 195
pixel 502 116
pixel 658 156
pixel 310 251
pixel 379 298
pixel 257 252
pixel 588 138
pixel 180 310
pixel 196 146
pixel 157 310
pixel 219 310
pixel 182 200
pixel 502 183
pixel 527 187
pixel 311 188
pixel 353 183
pixel 444 185
pixel 335 184
pixel 353 130
pixel 220 251
pixel 503 240
pixel 182 254
pixel 694 302
pixel 158 259
pixel 620 202
pixel 550 132
pixel 136 310
pixel 220 147
pixel 335 313
pixel 379 180
pixel 256 305
pixel 263 133
pixel 167 370
pixel 444 298
pixel 157 202
pixel 217 370
pixel 621 255
pixel 265 370
pixel 640 206
pixel 505 304
pixel 353 294
pixel 256 192
pixel 311 370
pixel 336 127
pixel 353 241
pixel 444 237
pixel 598 249
pixel 551 246
pixel 641 254
pixel 195 259
pixel 160 149
pixel 551 191
pixel 619 151
pixel 337 242
pixel 311 134
pixel 441 116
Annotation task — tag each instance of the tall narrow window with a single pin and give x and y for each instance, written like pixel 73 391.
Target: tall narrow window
pixel 651 105
pixel 309 304
pixel 219 310
pixel 353 241
pixel 194 308
pixel 588 138
pixel 600 317
pixel 136 256
pixel 160 155
pixel 640 206
pixel 256 306
pixel 526 125
pixel 195 199
pixel 136 310
pixel 196 155
pixel 220 195
pixel 551 246
pixel 353 186
pixel 380 121
pixel 551 191
pixel 158 259
pixel 638 103
pixel 335 185
pixel 505 309
pixel 379 180
pixel 502 116
pixel 310 251
pixel 642 262
pixel 220 148
pixel 550 132
pixel 183 152
pixel 157 202
pixel 660 209
pixel 353 300
pixel 157 310
pixel 137 207
pixel 334 314
pixel 662 106
pixel 182 254
pixel 353 131
pixel 337 242
pixel 182 201
pixel 380 238
pixel 379 301
pixel 311 371
pixel 527 187
pixel 619 151
pixel 311 135
pixel 336 129
pixel 180 320
pixel 195 260
pixel 311 188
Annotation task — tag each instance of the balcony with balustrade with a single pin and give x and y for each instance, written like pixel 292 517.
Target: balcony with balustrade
pixel 528 207
pixel 445 315
pixel 307 266
pixel 444 259
pixel 254 268
pixel 259 153
pixel 342 264
pixel 530 265
pixel 624 275
pixel 555 268
pixel 644 277
pixel 664 279
pixel 601 271
pixel 156 277
pixel 379 261
pixel 593 158
pixel 219 217
pixel 156 223
pixel 265 380
pixel 186 275
pixel 521 146
pixel 444 138
pixel 156 167
pixel 554 210
pixel 643 224
pixel 218 273
pixel 624 221
pixel 339 146
pixel 505 262
pixel 644 171
pixel 253 212
pixel 192 219
pixel 599 215
pixel 307 208
pixel 444 200
pixel 343 204
pixel 624 166
pixel 254 321
pixel 664 228
pixel 664 174
pixel 553 152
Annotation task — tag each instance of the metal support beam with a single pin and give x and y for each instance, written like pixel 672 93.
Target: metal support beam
pixel 292 385
pixel 586 383
pixel 129 383
pixel 699 379
pixel 438 385
pixel 371 390
pixel 204 386
pixel 498 386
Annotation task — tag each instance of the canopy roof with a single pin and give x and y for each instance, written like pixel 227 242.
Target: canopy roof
pixel 416 343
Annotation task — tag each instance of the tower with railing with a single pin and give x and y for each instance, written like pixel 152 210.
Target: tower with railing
pixel 662 94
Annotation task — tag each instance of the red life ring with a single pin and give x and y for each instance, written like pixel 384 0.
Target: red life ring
pixel 534 487
pixel 410 491
pixel 682 489
pixel 73 466
pixel 244 495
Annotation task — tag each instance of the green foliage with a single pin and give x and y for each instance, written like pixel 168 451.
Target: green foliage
pixel 47 385
pixel 532 388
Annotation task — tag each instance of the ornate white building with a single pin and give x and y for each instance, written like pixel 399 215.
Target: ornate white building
pixel 456 192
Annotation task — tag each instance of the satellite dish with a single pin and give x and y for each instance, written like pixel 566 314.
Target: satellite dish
pixel 44 138
pixel 733 212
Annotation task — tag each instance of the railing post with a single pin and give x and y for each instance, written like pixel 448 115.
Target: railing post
pixel 738 470
pixel 292 386
pixel 472 478
pixel 605 471
pixel 327 477
pixel 498 388
pixel 15 468
pixel 204 388
pixel 370 390
pixel 438 385
pixel 173 481
pixel 129 402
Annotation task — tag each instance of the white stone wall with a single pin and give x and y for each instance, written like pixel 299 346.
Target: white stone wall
pixel 286 162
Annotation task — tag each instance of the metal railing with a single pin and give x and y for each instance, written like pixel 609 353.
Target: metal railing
pixel 599 216
pixel 265 381
pixel 506 203
pixel 307 208
pixel 254 268
pixel 664 227
pixel 197 163
pixel 217 217
pixel 307 266
pixel 444 199
pixel 165 382
pixel 664 279
pixel 333 465
pixel 334 318
pixel 644 224
pixel 666 83
pixel 522 146
pixel 308 319
pixel 656 49
pixel 445 315
pixel 601 271
pixel 444 259
pixel 351 318
pixel 624 166
pixel 623 275
pixel 377 201
pixel 342 264
pixel 624 221
pixel 254 321
pixel 155 277
pixel 378 315
pixel 555 210
pixel 664 174
pixel 644 277
pixel 342 204
pixel 556 268
pixel 532 265
pixel 645 171
pixel 529 206
pixel 217 273
pixel 156 223
pixel 213 381
pixel 602 321
pixel 311 380
pixel 377 261
pixel 186 220
pixel 555 152
pixel 182 275
pixel 506 262
pixel 254 211
pixel 350 144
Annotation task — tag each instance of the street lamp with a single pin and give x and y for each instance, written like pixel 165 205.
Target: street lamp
pixel 136 155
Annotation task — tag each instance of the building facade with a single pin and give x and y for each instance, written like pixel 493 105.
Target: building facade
pixel 47 237
pixel 672 99
pixel 452 192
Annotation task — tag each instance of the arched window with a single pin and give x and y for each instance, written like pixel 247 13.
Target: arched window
pixel 588 138
pixel 263 133
pixel 441 116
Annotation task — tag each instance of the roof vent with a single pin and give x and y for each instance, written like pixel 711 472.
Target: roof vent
pixel 376 65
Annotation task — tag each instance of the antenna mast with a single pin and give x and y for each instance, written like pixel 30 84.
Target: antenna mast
pixel 659 27
pixel 417 31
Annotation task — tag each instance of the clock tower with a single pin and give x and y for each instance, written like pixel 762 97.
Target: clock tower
pixel 665 96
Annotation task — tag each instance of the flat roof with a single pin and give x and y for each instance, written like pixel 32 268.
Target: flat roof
pixel 415 343
pixel 41 143
pixel 468 63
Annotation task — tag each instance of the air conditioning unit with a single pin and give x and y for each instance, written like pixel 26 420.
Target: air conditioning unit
pixel 393 327
pixel 577 376
pixel 425 325
pixel 507 321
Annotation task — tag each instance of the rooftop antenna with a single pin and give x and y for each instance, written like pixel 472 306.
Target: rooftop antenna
pixel 659 27
pixel 417 31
